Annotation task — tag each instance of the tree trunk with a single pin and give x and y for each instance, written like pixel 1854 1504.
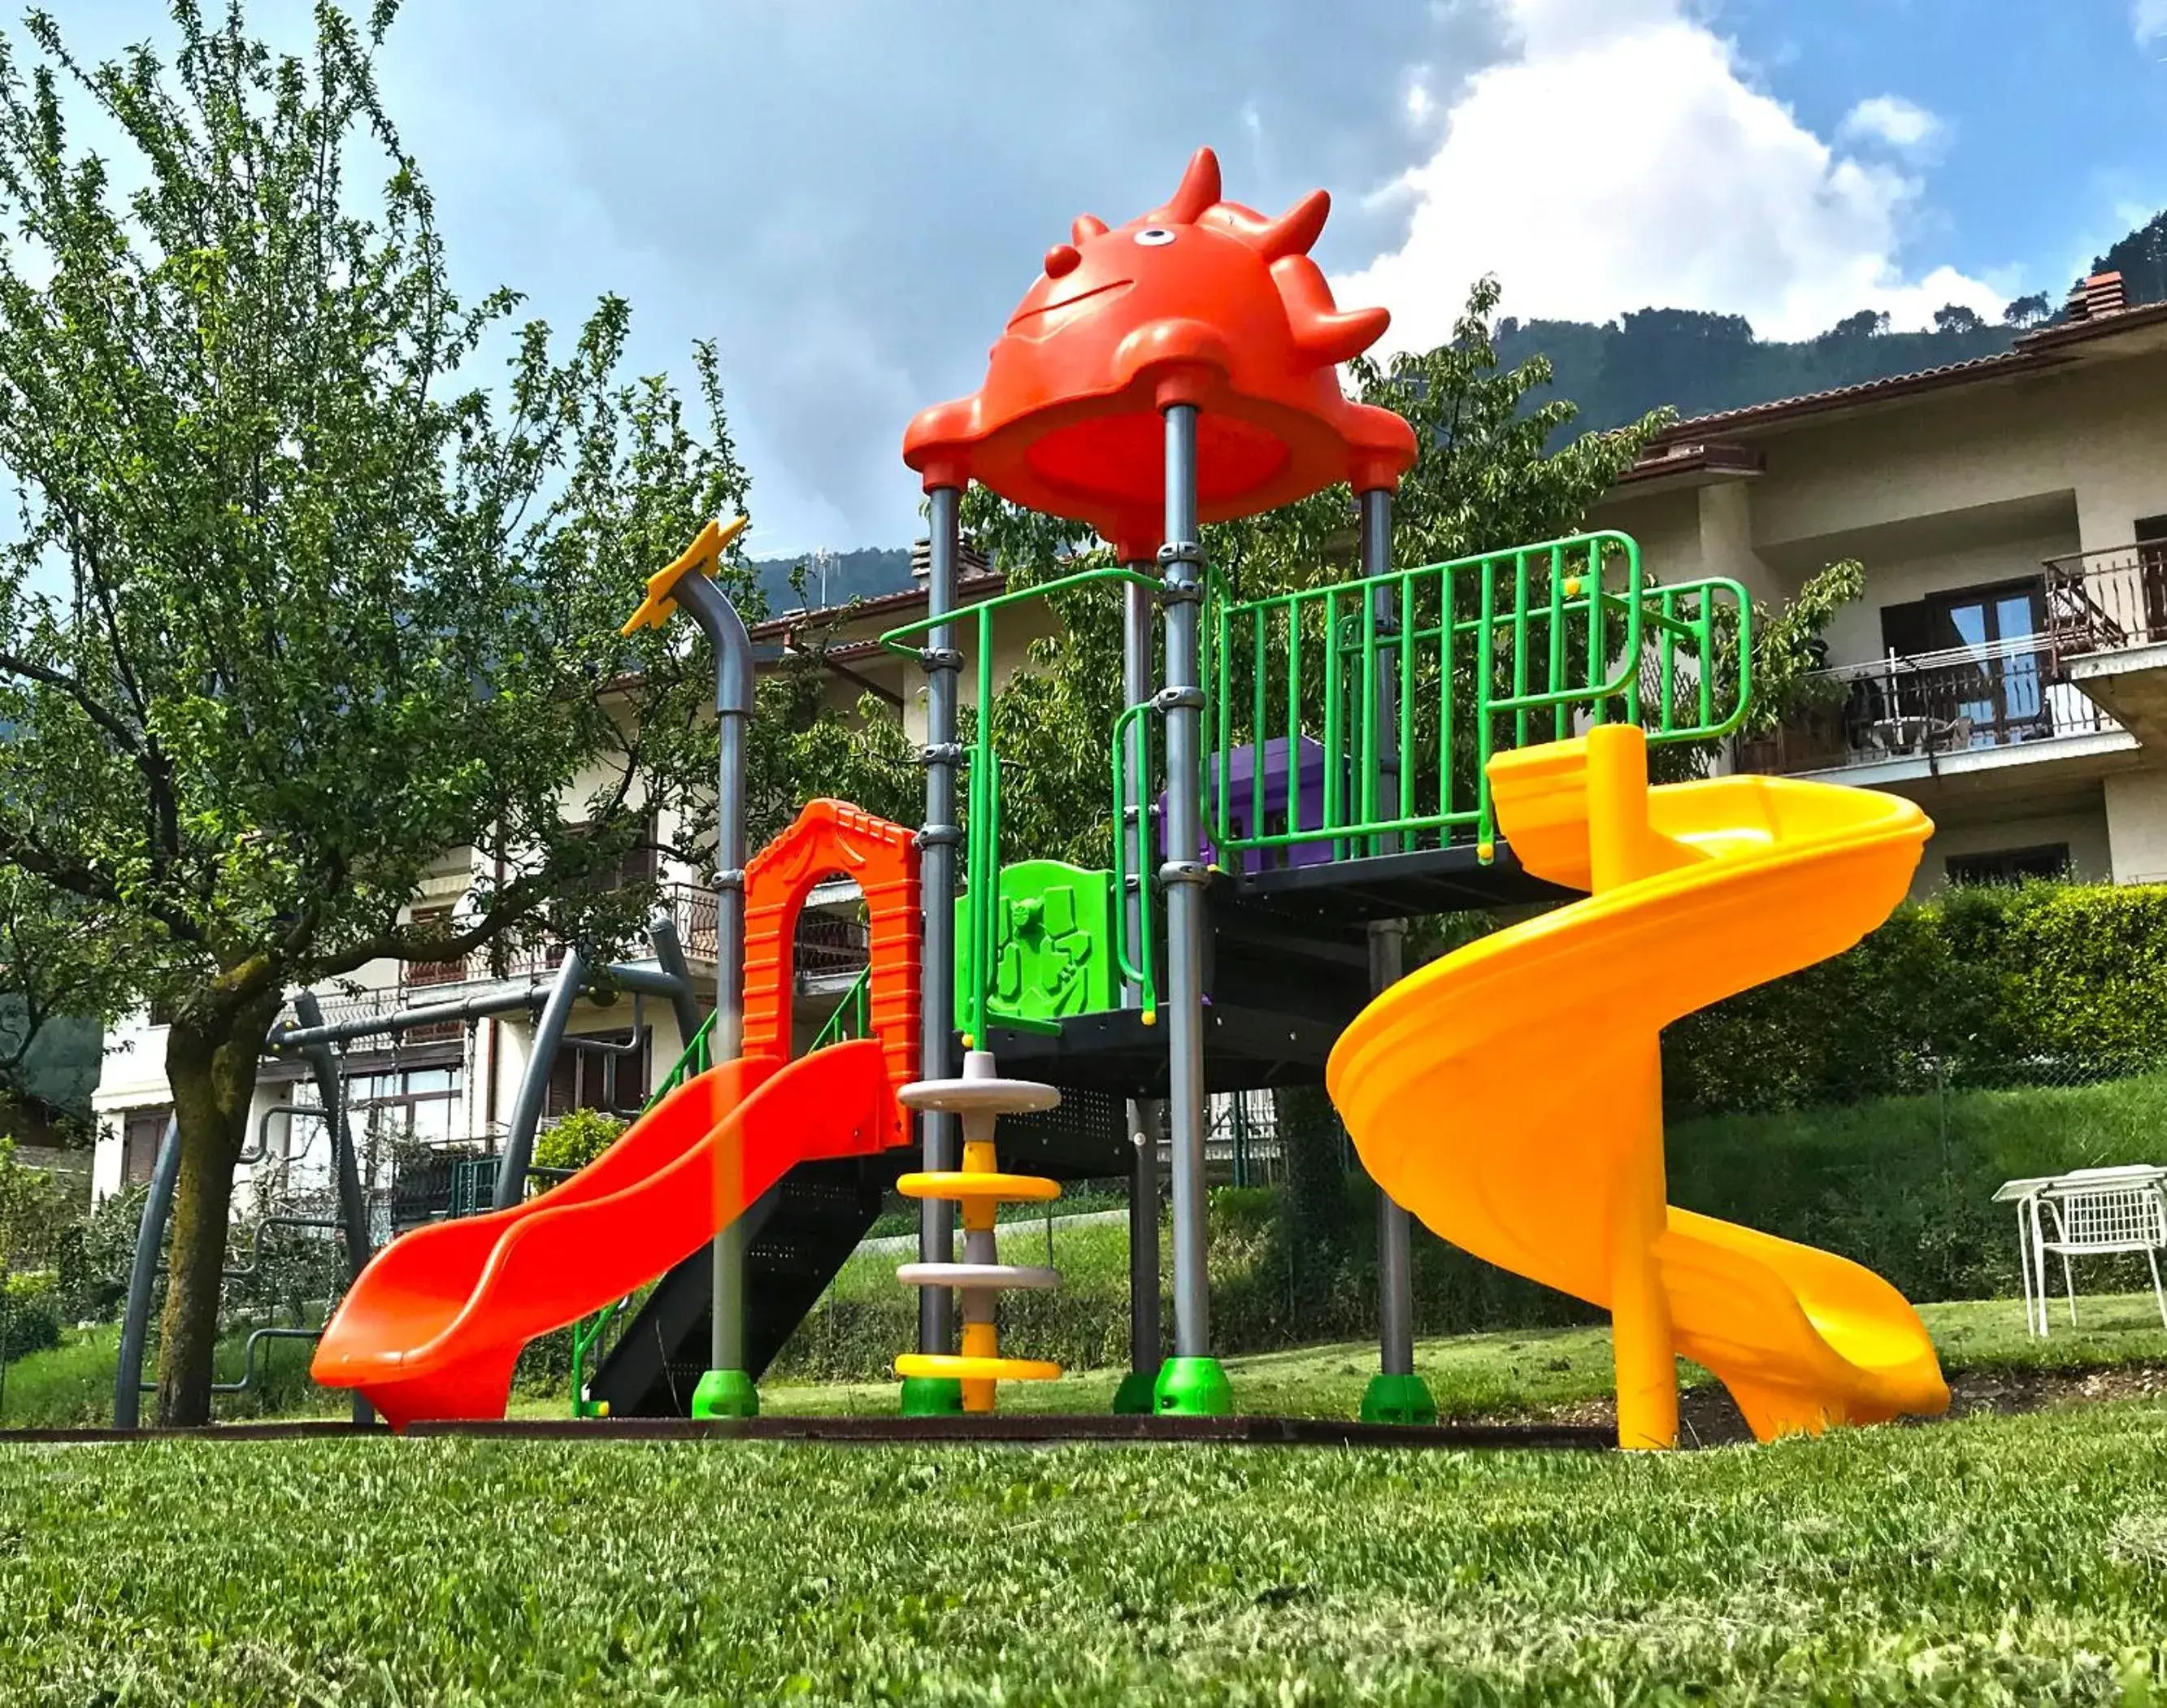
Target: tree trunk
pixel 213 1076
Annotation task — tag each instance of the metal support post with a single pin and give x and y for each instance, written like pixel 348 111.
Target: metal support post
pixel 1146 1115
pixel 1395 1395
pixel 353 1207
pixel 143 1278
pixel 1191 1383
pixel 727 1387
pixel 937 840
pixel 534 1084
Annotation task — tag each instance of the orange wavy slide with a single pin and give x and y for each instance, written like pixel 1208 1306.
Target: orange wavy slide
pixel 1510 1095
pixel 434 1323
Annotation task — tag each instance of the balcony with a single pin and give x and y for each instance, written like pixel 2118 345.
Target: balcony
pixel 2106 620
pixel 692 909
pixel 1966 708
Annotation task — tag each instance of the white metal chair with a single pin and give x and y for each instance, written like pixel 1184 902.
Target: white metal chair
pixel 2095 1212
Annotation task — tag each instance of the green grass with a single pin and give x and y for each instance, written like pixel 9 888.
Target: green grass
pixel 2004 1561
pixel 1509 1372
pixel 72 1384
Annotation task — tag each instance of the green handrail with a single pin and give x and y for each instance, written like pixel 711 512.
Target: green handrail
pixel 692 1061
pixel 1512 631
pixel 853 1017
pixel 982 827
pixel 1133 960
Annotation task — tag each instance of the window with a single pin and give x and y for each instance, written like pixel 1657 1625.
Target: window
pixel 142 1131
pixel 426 973
pixel 2049 860
pixel 2150 532
pixel 586 1078
pixel 1985 683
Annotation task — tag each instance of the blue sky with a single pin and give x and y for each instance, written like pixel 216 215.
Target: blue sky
pixel 849 195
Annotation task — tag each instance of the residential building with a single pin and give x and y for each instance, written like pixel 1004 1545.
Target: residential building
pixel 2007 667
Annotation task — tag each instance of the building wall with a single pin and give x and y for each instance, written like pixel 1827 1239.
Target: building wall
pixel 2087 833
pixel 2136 825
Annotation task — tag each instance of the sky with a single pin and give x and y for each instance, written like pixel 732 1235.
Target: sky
pixel 849 195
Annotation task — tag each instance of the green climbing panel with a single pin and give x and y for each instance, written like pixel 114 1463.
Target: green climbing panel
pixel 1053 943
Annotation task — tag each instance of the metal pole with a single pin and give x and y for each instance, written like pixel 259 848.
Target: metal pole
pixel 727 1389
pixel 936 880
pixel 353 1207
pixel 1192 1383
pixel 1398 1395
pixel 142 1277
pixel 1146 1115
pixel 534 1083
pixel 669 957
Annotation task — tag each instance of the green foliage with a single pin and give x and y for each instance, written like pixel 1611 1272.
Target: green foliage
pixel 93 1256
pixel 2001 1560
pixel 30 1313
pixel 1698 364
pixel 577 1139
pixel 1986 983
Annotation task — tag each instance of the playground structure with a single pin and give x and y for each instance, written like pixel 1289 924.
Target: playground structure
pixel 1307 771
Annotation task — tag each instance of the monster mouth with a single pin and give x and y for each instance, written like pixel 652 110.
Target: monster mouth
pixel 1050 317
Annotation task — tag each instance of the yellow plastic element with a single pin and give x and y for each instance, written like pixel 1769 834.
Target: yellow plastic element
pixel 1572 587
pixel 994 1188
pixel 980 1187
pixel 970 1369
pixel 1510 1095
pixel 703 554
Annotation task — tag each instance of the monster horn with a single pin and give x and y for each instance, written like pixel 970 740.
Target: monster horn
pixel 1200 189
pixel 1324 331
pixel 1087 226
pixel 1297 229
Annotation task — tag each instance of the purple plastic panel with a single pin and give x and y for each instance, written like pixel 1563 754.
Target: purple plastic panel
pixel 1241 763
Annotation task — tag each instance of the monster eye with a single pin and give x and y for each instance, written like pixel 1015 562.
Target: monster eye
pixel 1153 236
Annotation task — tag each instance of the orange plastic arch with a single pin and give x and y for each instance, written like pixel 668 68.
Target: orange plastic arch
pixel 1202 302
pixel 882 859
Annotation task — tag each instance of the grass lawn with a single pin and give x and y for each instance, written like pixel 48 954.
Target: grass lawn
pixel 1478 1376
pixel 1997 1560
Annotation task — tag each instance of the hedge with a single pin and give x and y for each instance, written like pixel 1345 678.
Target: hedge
pixel 1987 984
pixel 1903 1184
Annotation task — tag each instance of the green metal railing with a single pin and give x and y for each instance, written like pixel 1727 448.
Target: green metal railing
pixel 1132 857
pixel 694 1060
pixel 1414 678
pixel 853 1017
pixel 981 826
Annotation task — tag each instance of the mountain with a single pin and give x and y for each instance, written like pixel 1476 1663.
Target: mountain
pixel 1619 370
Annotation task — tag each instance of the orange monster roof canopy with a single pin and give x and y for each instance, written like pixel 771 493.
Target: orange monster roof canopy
pixel 1202 302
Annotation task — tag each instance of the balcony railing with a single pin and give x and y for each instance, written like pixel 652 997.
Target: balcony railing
pixel 1930 704
pixel 2106 600
pixel 692 908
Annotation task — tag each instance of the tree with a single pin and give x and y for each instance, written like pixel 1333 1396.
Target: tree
pixel 294 607
pixel 2026 311
pixel 2141 259
pixel 1867 323
pixel 1955 317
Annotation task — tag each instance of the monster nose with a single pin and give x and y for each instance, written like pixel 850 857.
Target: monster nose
pixel 1061 258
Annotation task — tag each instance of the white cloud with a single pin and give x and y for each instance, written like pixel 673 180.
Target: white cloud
pixel 1622 160
pixel 2149 18
pixel 1890 118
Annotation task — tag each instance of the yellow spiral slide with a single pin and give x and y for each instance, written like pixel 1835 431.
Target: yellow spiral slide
pixel 1510 1094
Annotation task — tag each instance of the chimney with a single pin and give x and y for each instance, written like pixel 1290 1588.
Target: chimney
pixel 969 561
pixel 2090 298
